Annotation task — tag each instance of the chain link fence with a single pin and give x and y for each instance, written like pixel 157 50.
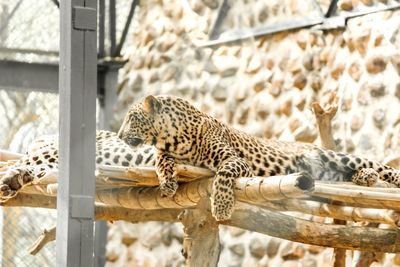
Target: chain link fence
pixel 29 32
pixel 25 116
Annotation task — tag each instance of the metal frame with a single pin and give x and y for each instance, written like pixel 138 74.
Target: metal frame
pixel 115 48
pixel 10 15
pixel 324 22
pixel 121 42
pixel 222 13
pixel 78 69
pixel 112 26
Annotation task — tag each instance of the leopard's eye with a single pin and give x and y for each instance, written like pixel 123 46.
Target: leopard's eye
pixel 135 141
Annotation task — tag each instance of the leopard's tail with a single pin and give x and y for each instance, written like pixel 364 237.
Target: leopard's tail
pixel 350 166
pixel 334 166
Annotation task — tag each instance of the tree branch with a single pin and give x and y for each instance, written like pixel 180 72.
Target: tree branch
pixel 327 235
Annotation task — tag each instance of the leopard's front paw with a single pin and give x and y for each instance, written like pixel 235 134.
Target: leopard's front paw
pixel 222 210
pixel 12 181
pixel 6 191
pixel 168 189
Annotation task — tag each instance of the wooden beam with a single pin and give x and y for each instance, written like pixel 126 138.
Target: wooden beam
pixel 327 235
pixel 201 245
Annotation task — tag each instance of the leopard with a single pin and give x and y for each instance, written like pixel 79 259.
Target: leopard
pixel 41 159
pixel 182 134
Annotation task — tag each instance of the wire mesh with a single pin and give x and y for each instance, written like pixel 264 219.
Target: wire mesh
pixel 31 32
pixel 24 116
pixel 28 32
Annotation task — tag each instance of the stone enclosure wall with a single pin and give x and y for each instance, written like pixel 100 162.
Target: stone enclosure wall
pixel 264 86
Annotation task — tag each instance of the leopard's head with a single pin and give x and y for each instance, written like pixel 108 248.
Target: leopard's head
pixel 160 121
pixel 138 127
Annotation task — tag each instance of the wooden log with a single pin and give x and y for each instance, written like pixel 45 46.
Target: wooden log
pixel 351 186
pixel 366 258
pixel 247 190
pixel 259 189
pixel 7 155
pixel 337 211
pixel 4 164
pixel 46 237
pixel 257 220
pixel 146 176
pixel 31 200
pixel 324 123
pixel 362 196
pixel 201 245
pixel 103 212
pixel 110 213
pixel 298 230
pixel 392 161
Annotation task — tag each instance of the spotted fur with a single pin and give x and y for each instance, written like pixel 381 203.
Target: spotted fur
pixel 42 157
pixel 183 134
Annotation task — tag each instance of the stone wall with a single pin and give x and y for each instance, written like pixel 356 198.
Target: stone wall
pixel 264 86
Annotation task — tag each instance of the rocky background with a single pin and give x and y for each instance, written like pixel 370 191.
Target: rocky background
pixel 264 86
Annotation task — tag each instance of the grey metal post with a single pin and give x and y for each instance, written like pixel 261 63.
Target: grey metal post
pixel 78 65
pixel 112 26
pixel 108 82
pixel 3 21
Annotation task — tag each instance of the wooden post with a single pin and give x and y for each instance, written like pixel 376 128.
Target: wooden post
pixel 324 122
pixel 201 246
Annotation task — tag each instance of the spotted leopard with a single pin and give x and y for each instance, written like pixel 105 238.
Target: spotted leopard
pixel 42 157
pixel 183 134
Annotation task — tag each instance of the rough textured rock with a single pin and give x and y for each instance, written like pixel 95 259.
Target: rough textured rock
pixel 237 249
pixel 257 248
pixel 292 251
pixel 345 4
pixel 273 247
pixel 376 64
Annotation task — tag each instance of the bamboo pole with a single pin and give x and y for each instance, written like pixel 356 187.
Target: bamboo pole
pixel 147 176
pixel 247 189
pixel 258 189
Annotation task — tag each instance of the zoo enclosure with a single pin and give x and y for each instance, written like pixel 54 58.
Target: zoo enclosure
pixel 29 75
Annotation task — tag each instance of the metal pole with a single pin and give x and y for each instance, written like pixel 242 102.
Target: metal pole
pixel 78 69
pixel 112 27
pixel 102 15
pixel 126 28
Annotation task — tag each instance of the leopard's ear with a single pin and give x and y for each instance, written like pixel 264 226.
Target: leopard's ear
pixel 151 105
